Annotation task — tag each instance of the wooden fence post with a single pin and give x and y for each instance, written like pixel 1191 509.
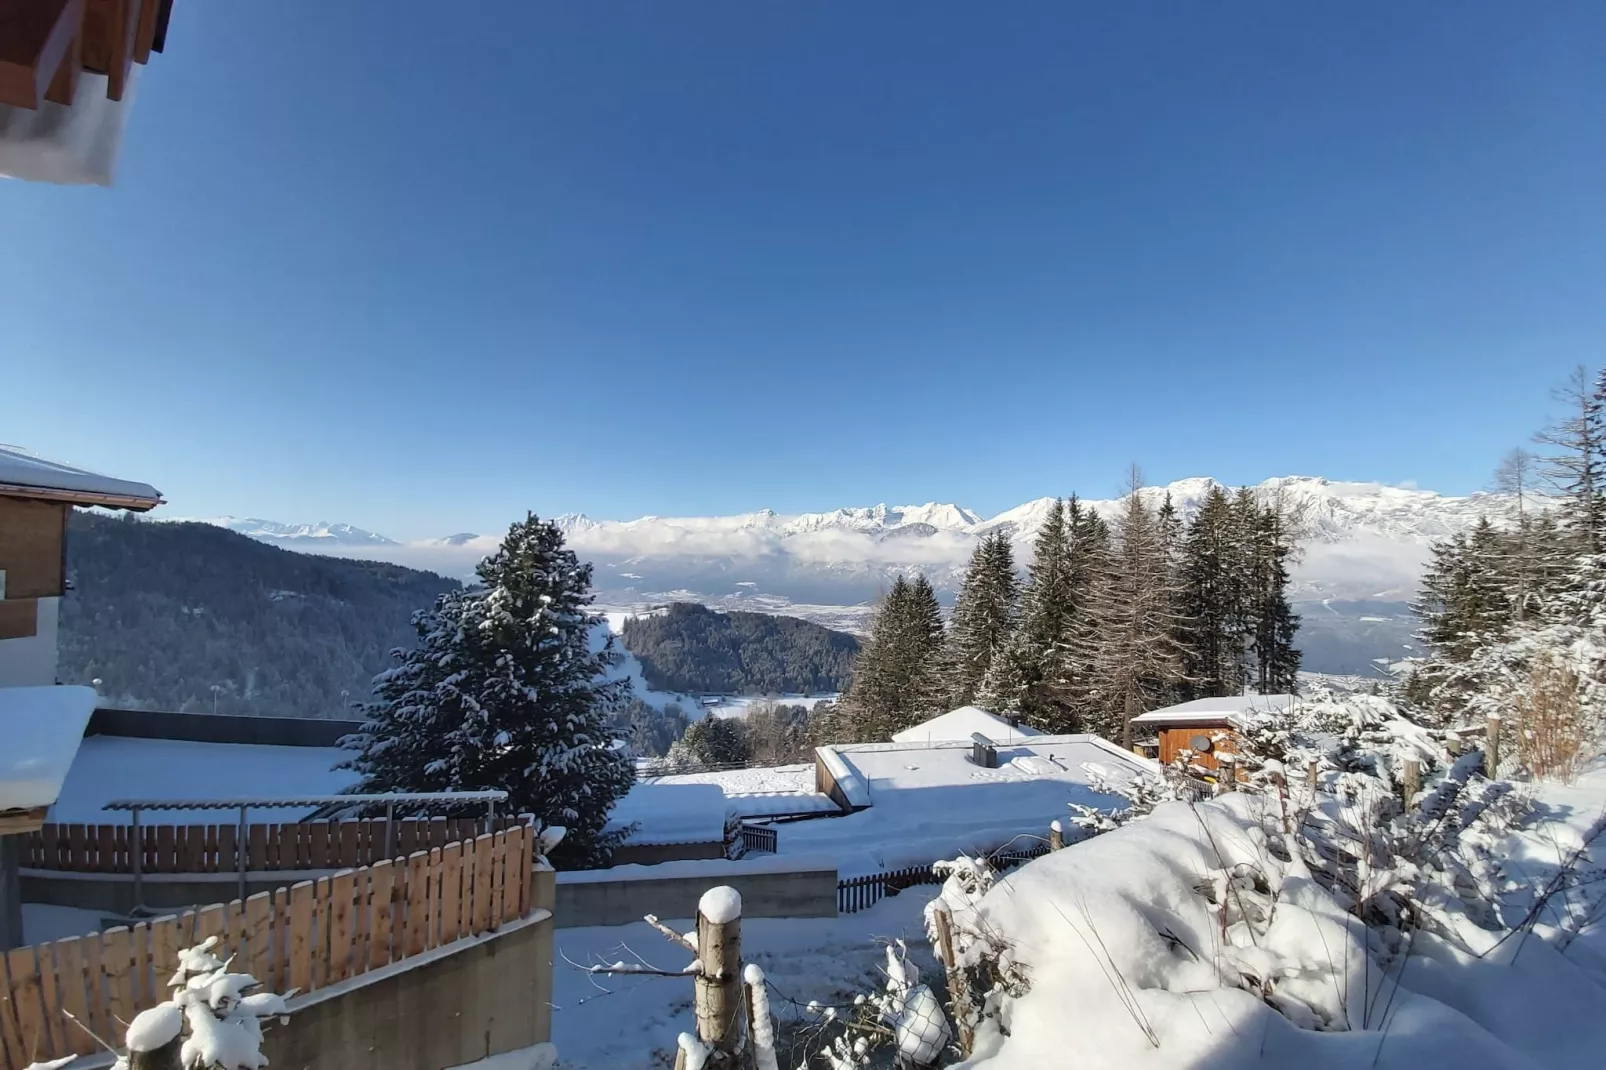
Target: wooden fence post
pixel 1413 780
pixel 1056 836
pixel 958 993
pixel 1226 774
pixel 718 999
pixel 1491 747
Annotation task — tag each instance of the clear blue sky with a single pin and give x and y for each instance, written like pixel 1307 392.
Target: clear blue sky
pixel 420 266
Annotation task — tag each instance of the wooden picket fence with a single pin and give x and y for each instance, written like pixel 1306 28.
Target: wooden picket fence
pixel 212 848
pixel 305 937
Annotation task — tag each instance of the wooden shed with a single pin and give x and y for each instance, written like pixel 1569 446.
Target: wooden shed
pixel 1206 727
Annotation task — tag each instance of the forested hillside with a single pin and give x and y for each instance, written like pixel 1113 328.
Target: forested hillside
pixel 692 648
pixel 162 613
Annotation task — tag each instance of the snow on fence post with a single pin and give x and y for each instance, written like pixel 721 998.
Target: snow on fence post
pixel 958 992
pixel 1413 780
pixel 718 984
pixel 1491 747
pixel 1056 836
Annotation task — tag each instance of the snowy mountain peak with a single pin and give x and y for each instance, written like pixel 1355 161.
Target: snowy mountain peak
pixel 303 536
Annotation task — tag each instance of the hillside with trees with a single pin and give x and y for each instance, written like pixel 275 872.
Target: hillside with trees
pixel 1115 616
pixel 692 649
pixel 164 613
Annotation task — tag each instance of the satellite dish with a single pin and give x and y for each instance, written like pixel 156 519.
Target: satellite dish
pixel 1200 744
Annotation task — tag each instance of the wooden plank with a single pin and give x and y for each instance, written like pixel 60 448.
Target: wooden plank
pixel 39 35
pixel 350 831
pixel 100 1015
pixel 482 884
pixel 318 837
pixel 526 870
pixel 437 832
pixel 362 921
pixel 166 857
pixel 417 900
pixel 214 849
pixel 145 29
pixel 50 996
pixel 301 907
pixel 451 892
pixel 144 977
pixel 212 921
pixel 224 857
pixel 164 947
pixel 432 911
pixel 499 878
pixel 23 970
pixel 105 848
pixel 256 947
pixel 320 932
pixel 116 959
pixel 342 889
pixel 236 940
pixel 10 1029
pixel 257 852
pixel 73 992
pixel 382 885
pixel 77 849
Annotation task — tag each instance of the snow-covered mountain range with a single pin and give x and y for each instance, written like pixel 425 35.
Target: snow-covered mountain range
pixel 317 537
pixel 1364 548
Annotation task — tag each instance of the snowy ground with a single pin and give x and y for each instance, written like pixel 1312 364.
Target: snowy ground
pixel 1129 966
pixel 626 1023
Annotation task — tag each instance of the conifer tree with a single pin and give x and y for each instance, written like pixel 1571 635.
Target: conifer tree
pixel 1137 655
pixel 1577 463
pixel 1275 622
pixel 984 618
pixel 1035 679
pixel 895 675
pixel 505 691
pixel 1212 578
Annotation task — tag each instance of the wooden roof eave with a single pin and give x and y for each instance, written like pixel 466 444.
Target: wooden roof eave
pixel 132 502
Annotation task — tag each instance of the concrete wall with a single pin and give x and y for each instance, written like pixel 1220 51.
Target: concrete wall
pixel 475 998
pixel 31 662
pixel 650 854
pixel 774 887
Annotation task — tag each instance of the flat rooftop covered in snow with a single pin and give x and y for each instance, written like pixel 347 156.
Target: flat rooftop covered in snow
pixel 109 768
pixel 1229 709
pixel 770 791
pixel 923 801
pixel 671 813
pixel 43 728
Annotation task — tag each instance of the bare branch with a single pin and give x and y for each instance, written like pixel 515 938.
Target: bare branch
pixel 672 935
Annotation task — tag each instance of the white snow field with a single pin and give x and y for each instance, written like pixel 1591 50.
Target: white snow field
pixel 1131 966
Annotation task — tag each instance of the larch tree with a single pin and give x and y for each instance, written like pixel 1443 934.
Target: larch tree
pixel 508 690
pixel 1576 463
pixel 1138 657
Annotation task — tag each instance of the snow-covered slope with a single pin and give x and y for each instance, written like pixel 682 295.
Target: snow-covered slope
pixel 317 537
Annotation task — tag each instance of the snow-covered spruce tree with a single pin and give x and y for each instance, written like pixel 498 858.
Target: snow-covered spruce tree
pixel 984 618
pixel 1214 580
pixel 1276 658
pixel 895 675
pixel 506 690
pixel 1034 674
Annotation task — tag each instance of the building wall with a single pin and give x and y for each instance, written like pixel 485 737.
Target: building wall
pixel 1174 740
pixel 771 887
pixel 463 1002
pixel 31 661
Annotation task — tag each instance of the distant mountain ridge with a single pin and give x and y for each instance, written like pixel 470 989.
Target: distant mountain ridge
pixel 300 536
pixel 1362 556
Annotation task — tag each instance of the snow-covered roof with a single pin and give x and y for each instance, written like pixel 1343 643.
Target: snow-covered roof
pixel 42 728
pixel 929 800
pixel 671 813
pixel 1231 709
pixel 959 725
pixel 769 791
pixel 27 475
pixel 109 768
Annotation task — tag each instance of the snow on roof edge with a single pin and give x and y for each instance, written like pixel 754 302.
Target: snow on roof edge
pixel 30 472
pixel 44 727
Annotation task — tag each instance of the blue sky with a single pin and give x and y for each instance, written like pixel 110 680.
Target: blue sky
pixel 423 271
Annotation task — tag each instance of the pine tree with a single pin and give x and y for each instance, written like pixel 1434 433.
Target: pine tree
pixel 1137 655
pixel 1033 674
pixel 504 691
pixel 984 618
pixel 926 638
pixel 1212 579
pixel 1275 622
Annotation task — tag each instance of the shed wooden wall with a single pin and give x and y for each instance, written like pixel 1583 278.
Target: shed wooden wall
pixel 1174 740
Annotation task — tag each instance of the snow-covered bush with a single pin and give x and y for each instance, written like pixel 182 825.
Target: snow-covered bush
pixel 215 1016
